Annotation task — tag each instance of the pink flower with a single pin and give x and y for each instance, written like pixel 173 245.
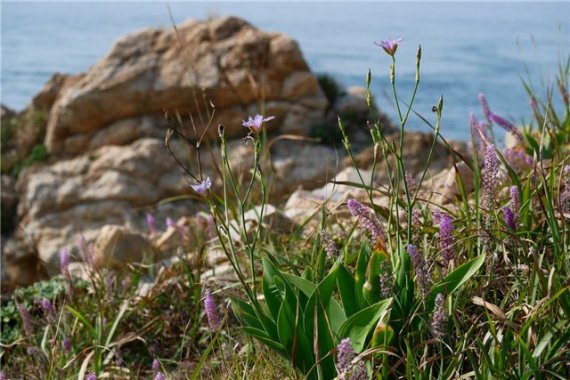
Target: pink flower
pixel 203 186
pixel 254 124
pixel 390 45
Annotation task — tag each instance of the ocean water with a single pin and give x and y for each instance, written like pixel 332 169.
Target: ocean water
pixel 468 48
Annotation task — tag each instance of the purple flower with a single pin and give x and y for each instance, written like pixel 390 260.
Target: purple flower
pixel 2 376
pixel 416 217
pixel 47 307
pixel 64 261
pixel 517 159
pixel 423 277
pixel 26 319
pixel 436 216
pixel 329 245
pixel 254 124
pixel 211 311
pixel 509 218
pixel 170 223
pixel 439 318
pixel 386 279
pixel 151 223
pixel 485 106
pixel 490 179
pixel 479 135
pixel 412 186
pixel 446 239
pixel 203 186
pixel 345 369
pixel 155 365
pixel 159 376
pixel 91 376
pixel 515 203
pixel 390 45
pixel 66 344
pixel 506 125
pixel 367 219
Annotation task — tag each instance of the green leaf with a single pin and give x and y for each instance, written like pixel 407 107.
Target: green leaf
pixel 359 326
pixel 454 280
pixel 265 339
pixel 306 286
pixel 346 287
pixel 270 290
pixel 84 321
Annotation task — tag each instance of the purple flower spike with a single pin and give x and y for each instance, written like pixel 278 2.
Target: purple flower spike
pixel 506 125
pixel 330 247
pixel 64 261
pixel 255 123
pixel 515 202
pixel 439 317
pixel 390 45
pixel 47 307
pixel 423 277
pixel 509 218
pixel 26 319
pixel 151 223
pixel 518 159
pixel 170 223
pixel 490 179
pixel 367 219
pixel 485 106
pixel 345 369
pixel 66 345
pixel 446 239
pixel 159 376
pixel 203 186
pixel 91 376
pixel 211 311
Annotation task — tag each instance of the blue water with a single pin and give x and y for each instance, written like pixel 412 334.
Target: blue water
pixel 468 48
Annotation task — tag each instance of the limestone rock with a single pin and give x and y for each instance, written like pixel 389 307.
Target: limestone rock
pixel 227 60
pixel 117 246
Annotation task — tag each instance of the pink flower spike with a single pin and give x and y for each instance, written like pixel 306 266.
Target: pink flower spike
pixel 390 45
pixel 254 123
pixel 203 186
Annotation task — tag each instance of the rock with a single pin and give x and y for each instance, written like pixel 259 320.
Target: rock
pixel 20 265
pixel 117 246
pixel 9 203
pixel 227 60
pixel 111 185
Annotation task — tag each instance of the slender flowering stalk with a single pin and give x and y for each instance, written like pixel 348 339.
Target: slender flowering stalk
pixel 412 185
pixel 446 239
pixel 436 216
pixel 515 203
pixel 47 307
pixel 507 125
pixel 386 279
pixel 255 123
pixel 518 159
pixel 26 319
pixel 390 45
pixel 345 369
pixel 485 106
pixel 211 311
pixel 423 277
pixel 368 220
pixel 439 318
pixel 490 179
pixel 85 251
pixel 66 345
pixel 330 247
pixel 203 186
pixel 91 376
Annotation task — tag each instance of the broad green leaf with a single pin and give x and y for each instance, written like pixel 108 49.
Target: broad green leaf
pixel 262 337
pixel 306 286
pixel 346 287
pixel 270 290
pixel 84 321
pixel 359 326
pixel 454 280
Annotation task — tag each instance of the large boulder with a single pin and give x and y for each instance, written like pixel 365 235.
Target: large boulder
pixel 224 62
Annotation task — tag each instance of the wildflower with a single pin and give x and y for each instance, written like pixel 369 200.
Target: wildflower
pixel 416 217
pixel 345 369
pixel 423 277
pixel 436 216
pixel 446 239
pixel 506 125
pixel 159 376
pixel 490 179
pixel 390 45
pixel 386 279
pixel 509 218
pixel 517 159
pixel 47 307
pixel 3 376
pixel 254 124
pixel 479 135
pixel 485 106
pixel 203 186
pixel 151 223
pixel 211 312
pixel 328 244
pixel 155 365
pixel 66 344
pixel 170 223
pixel 412 186
pixel 439 317
pixel 64 262
pixel 368 220
pixel 515 203
pixel 26 319
pixel 91 376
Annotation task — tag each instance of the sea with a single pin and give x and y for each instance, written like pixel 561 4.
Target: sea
pixel 467 47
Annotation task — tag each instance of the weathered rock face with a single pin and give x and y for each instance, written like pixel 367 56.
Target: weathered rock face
pixel 226 61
